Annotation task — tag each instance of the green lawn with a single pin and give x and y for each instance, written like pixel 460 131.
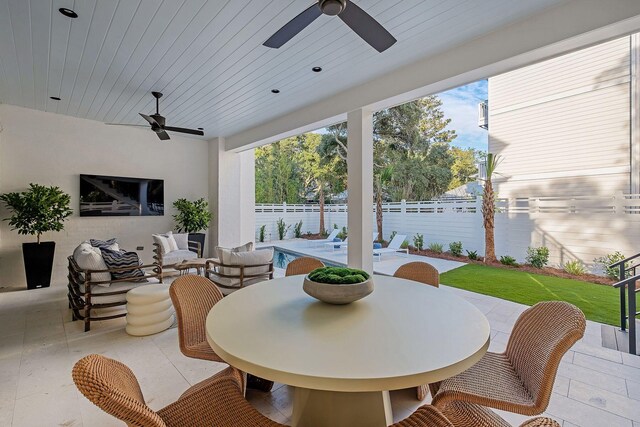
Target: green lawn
pixel 599 303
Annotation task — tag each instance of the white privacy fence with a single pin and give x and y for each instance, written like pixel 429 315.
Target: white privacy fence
pixel 580 227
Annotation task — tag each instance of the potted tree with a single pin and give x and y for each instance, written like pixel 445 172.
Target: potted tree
pixel 34 212
pixel 193 218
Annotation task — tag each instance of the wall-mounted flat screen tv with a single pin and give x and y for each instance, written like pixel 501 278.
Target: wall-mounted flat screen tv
pixel 120 196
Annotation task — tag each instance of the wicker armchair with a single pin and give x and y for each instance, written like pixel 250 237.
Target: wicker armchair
pixel 462 414
pixel 521 379
pixel 303 265
pixel 419 272
pixel 424 273
pixel 193 297
pixel 112 386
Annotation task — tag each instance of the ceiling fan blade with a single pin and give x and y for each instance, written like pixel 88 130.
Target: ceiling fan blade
pixel 150 119
pixel 293 27
pixel 366 27
pixel 163 135
pixel 126 124
pixel 184 130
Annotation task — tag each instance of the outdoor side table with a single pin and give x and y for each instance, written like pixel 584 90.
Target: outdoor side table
pixel 343 360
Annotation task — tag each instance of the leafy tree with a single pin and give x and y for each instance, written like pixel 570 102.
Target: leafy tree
pixel 465 166
pixel 381 179
pixel 278 177
pixel 489 208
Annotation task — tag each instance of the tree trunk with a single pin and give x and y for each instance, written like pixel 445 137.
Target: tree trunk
pixel 488 214
pixel 321 197
pixel 379 214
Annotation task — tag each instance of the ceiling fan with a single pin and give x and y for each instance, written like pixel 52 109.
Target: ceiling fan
pixel 157 122
pixel 351 14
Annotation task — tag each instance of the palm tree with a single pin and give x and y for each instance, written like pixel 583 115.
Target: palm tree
pixel 382 178
pixel 489 208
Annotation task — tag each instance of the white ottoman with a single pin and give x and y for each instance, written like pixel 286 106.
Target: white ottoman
pixel 149 310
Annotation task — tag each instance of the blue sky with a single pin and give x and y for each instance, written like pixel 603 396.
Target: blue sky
pixel 461 106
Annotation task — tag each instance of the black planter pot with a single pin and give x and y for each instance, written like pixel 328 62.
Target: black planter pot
pixel 198 237
pixel 38 263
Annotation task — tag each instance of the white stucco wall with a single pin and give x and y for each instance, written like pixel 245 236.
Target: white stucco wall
pixel 53 149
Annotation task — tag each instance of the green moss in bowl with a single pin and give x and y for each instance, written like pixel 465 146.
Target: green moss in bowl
pixel 338 275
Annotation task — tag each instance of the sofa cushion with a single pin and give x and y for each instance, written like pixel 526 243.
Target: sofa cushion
pixel 121 259
pixel 182 240
pixel 105 244
pixel 232 282
pixel 262 256
pixel 89 258
pixel 219 250
pixel 177 256
pixel 115 287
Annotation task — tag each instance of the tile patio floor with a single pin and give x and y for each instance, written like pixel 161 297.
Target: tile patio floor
pixel 39 344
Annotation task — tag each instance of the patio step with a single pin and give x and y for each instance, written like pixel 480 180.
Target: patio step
pixel 615 339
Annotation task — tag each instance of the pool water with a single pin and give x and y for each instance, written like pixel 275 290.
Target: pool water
pixel 282 258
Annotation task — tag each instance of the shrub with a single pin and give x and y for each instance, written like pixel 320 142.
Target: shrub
pixel 418 241
pixel 342 234
pixel 473 255
pixel 282 228
pixel 404 245
pixel 509 260
pixel 338 275
pixel 324 233
pixel 392 235
pixel 538 257
pixel 263 228
pixel 455 248
pixel 192 217
pixel 607 260
pixel 436 247
pixel 575 267
pixel 297 230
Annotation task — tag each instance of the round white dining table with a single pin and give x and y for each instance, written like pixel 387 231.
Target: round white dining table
pixel 344 359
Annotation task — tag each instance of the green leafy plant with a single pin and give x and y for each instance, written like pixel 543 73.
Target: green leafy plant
pixel 473 255
pixel 193 216
pixel 324 233
pixel 575 267
pixel 342 234
pixel 418 241
pixel 538 257
pixel 38 210
pixel 297 230
pixel 393 234
pixel 263 228
pixel 455 248
pixel 436 247
pixel 608 259
pixel 338 275
pixel 509 260
pixel 282 228
pixel 404 245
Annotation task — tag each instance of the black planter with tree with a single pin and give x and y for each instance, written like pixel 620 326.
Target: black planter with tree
pixel 33 212
pixel 193 217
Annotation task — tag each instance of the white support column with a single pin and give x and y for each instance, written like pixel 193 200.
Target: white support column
pixel 231 195
pixel 360 188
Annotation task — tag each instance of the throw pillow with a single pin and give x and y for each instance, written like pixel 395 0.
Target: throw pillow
pixel 122 259
pixel 111 244
pixel 182 240
pixel 89 258
pixel 163 243
pixel 261 256
pixel 173 245
pixel 219 251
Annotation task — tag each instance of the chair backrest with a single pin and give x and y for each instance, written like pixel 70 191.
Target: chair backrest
pixel 397 241
pixel 112 387
pixel 540 337
pixel 193 297
pixel 419 271
pixel 303 265
pixel 333 234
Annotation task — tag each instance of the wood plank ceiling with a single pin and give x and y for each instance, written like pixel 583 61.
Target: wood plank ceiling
pixel 207 56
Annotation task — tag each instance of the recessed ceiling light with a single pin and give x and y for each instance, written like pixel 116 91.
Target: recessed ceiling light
pixel 316 69
pixel 55 98
pixel 68 12
pixel 275 91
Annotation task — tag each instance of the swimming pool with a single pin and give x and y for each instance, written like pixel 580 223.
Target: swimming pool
pixel 282 258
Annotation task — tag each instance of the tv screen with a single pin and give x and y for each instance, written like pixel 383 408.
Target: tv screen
pixel 120 196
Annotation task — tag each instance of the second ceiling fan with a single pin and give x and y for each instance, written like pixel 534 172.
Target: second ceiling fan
pixel 350 13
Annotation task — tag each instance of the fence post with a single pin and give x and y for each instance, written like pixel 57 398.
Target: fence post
pixel 403 206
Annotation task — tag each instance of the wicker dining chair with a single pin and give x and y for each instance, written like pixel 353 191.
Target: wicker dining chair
pixel 303 265
pixel 193 297
pixel 463 414
pixel 112 387
pixel 422 272
pixel 419 271
pixel 521 379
